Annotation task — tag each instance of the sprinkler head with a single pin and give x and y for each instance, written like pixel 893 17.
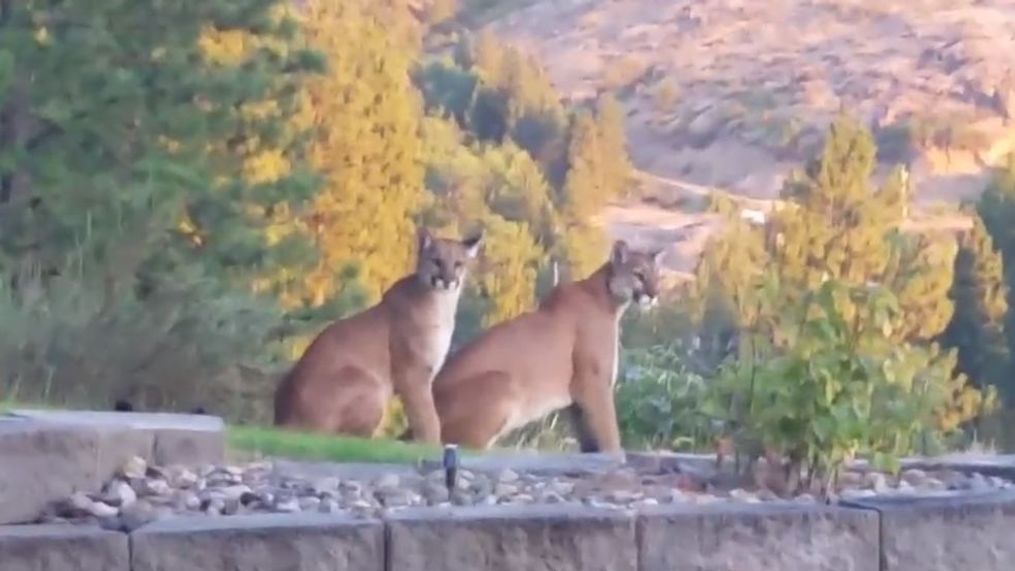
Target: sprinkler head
pixel 450 463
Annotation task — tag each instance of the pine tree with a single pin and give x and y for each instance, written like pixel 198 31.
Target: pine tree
pixel 366 116
pixel 837 227
pixel 976 329
pixel 116 131
pixel 996 208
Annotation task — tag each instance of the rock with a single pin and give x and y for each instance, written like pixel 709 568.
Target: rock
pixel 906 487
pixel 102 509
pixel 135 467
pixel 329 485
pixel 435 493
pixel 914 477
pixel 309 503
pixel 145 487
pixel 388 481
pixel 119 493
pixel 182 478
pixel 562 488
pixel 137 515
pixel 877 482
pixel 767 495
pixel 234 492
pixel 503 489
pixel 249 498
pixel 933 484
pixel 744 496
pixel 286 505
pixel 804 499
pixel 507 476
pixel 623 496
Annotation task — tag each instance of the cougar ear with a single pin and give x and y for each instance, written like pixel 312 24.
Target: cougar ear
pixel 657 255
pixel 620 253
pixel 424 238
pixel 473 242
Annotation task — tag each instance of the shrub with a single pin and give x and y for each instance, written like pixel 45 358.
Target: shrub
pixel 836 385
pixel 70 339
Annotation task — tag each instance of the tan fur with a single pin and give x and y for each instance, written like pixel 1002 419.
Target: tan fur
pixel 346 377
pixel 564 354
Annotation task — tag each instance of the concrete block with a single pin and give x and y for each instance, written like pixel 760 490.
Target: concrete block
pixel 62 548
pixel 959 531
pixel 757 537
pixel 530 538
pixel 275 542
pixel 41 463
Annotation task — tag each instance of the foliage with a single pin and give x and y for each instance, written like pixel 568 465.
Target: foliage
pixel 834 383
pixel 364 115
pixel 978 292
pixel 996 208
pixel 144 158
pixel 658 400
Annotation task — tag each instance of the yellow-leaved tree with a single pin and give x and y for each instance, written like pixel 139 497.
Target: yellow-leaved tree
pixel 365 114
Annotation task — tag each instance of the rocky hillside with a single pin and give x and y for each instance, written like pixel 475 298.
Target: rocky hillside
pixel 731 94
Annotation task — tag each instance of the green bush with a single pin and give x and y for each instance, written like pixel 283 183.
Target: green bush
pixel 658 401
pixel 833 384
pixel 69 339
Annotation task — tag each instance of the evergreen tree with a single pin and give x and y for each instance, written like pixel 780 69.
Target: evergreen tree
pixel 837 227
pixel 976 329
pixel 996 208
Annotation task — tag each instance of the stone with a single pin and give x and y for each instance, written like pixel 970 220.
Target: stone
pixel 757 537
pixel 181 478
pixel 62 548
pixel 961 531
pixel 387 481
pixel 304 542
pixel 507 476
pixel 914 477
pixel 560 537
pixel 119 493
pixel 876 481
pixel 286 505
pixel 44 463
pixel 102 509
pixel 134 467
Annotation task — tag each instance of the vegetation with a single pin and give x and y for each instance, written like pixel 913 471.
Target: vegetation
pixel 286 444
pixel 187 193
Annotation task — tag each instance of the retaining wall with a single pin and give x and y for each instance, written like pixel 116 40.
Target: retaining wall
pixel 45 456
pixel 960 534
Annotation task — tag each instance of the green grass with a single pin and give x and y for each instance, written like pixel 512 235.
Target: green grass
pixel 305 446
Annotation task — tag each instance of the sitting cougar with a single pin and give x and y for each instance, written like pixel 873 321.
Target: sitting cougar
pixel 346 377
pixel 564 354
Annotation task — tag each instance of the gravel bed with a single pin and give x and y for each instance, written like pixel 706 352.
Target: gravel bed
pixel 141 493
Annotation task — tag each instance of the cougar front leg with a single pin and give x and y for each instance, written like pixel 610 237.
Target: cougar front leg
pixel 420 411
pixel 598 415
pixel 586 441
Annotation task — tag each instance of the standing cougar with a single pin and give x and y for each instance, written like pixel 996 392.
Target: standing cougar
pixel 346 377
pixel 564 354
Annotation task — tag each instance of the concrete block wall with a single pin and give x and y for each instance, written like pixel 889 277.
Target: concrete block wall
pixel 954 534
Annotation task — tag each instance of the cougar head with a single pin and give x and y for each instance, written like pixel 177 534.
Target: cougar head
pixel 634 275
pixel 441 263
